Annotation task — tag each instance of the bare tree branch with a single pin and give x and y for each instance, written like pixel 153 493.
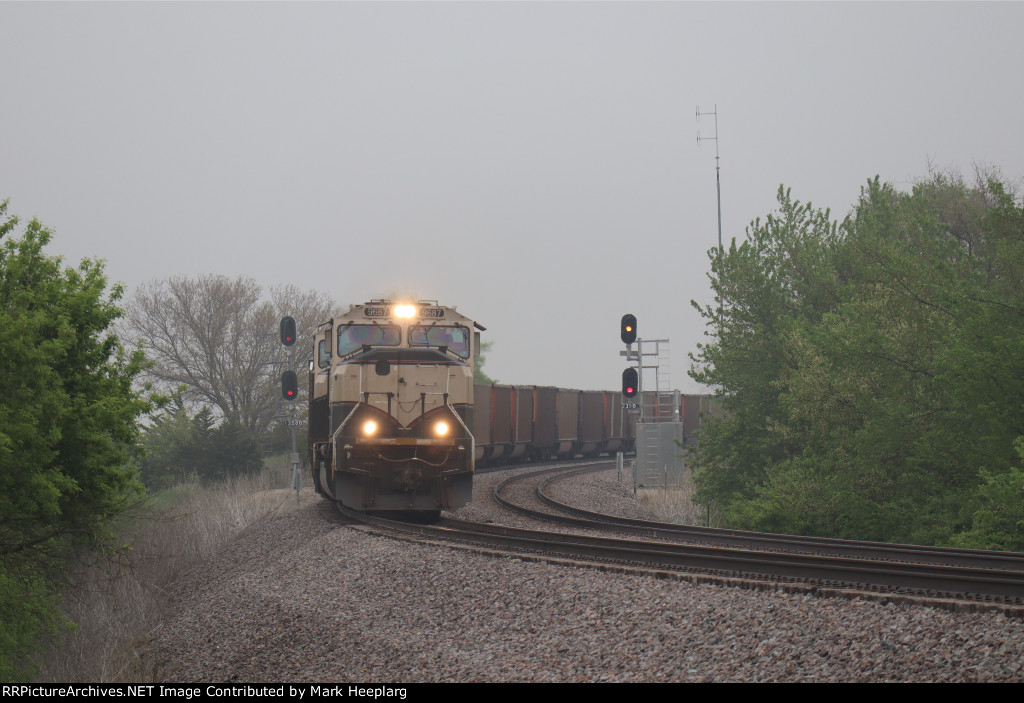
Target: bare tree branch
pixel 218 337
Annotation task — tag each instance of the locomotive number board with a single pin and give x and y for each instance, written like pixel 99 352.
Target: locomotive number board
pixel 384 311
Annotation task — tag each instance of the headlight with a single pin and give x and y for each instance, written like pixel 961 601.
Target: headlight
pixel 405 311
pixel 369 428
pixel 441 429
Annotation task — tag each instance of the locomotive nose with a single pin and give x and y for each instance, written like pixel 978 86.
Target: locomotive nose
pixel 407 480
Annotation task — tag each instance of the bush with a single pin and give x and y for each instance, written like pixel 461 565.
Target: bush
pixel 179 446
pixel 68 429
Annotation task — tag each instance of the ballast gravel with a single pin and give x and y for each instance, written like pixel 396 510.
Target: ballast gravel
pixel 296 598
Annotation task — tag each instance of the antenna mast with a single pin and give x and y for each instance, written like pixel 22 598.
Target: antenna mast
pixel 718 168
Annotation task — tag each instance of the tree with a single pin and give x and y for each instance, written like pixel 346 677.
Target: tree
pixel 68 428
pixel 180 446
pixel 998 521
pixel 478 364
pixel 909 394
pixel 779 277
pixel 218 337
pixel 870 370
pixel 175 444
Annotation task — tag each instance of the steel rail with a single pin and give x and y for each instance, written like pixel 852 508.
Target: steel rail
pixel 862 549
pixel 819 559
pixel 934 580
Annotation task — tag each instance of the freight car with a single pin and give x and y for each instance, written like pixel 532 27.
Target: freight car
pixel 537 423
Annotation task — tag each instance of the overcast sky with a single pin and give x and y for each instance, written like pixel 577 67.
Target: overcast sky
pixel 534 164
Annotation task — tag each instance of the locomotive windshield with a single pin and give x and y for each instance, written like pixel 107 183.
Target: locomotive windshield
pixel 456 338
pixel 354 337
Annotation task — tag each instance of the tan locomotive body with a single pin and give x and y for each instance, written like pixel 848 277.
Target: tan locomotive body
pixel 391 407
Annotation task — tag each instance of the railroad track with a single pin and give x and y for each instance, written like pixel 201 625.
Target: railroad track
pixel 956 579
pixel 824 546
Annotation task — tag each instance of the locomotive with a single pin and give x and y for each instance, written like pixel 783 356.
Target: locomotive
pixel 391 407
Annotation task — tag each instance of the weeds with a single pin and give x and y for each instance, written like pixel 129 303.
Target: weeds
pixel 676 505
pixel 116 603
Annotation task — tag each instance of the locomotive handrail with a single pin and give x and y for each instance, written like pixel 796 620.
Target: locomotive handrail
pixel 334 439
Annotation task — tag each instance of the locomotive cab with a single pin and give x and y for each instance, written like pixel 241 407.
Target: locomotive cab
pixel 391 407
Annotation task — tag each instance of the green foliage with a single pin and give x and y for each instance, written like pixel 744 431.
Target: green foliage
pixel 233 451
pixel 764 288
pixel 67 426
pixel 278 440
pixel 179 446
pixel 478 369
pixel 28 615
pixel 999 517
pixel 870 369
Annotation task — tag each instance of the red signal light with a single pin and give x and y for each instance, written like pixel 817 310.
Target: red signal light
pixel 288 331
pixel 630 380
pixel 289 385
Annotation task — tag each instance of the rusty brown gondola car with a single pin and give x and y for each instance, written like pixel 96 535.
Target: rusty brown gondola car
pixel 538 423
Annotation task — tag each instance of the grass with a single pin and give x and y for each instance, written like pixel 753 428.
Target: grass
pixel 117 603
pixel 676 504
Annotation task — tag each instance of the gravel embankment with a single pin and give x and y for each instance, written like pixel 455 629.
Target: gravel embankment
pixel 297 598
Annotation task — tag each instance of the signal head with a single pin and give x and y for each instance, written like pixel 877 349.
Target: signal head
pixel 288 331
pixel 289 385
pixel 627 329
pixel 630 382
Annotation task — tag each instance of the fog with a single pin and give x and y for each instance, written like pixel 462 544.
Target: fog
pixel 535 164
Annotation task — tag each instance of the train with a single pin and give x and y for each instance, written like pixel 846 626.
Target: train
pixel 397 424
pixel 391 407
